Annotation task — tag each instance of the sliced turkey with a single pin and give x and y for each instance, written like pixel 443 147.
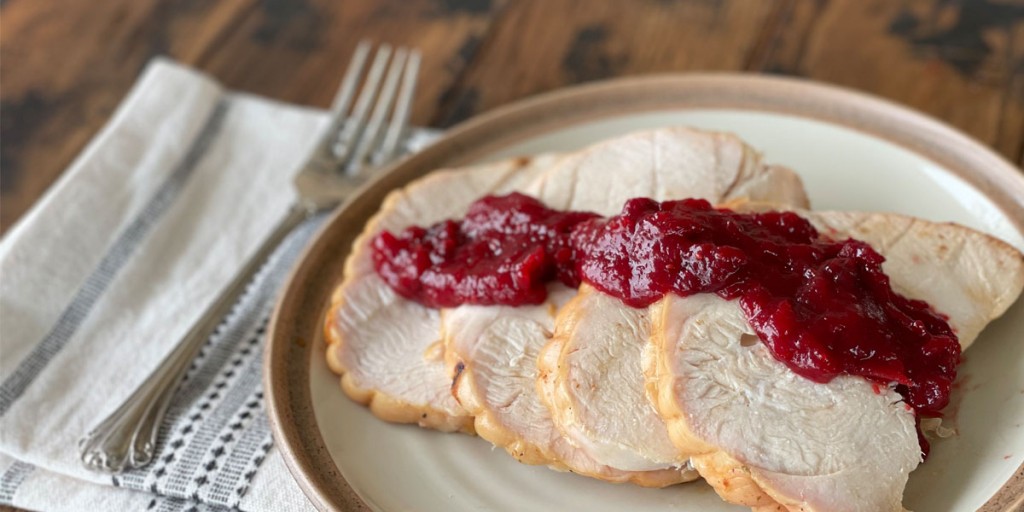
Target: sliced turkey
pixel 388 349
pixel 484 344
pixel 969 276
pixel 830 447
pixel 764 436
pixel 491 350
pixel 590 377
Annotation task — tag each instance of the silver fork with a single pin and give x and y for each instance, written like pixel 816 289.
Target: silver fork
pixel 355 141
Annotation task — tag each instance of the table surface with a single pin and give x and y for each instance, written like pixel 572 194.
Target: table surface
pixel 67 63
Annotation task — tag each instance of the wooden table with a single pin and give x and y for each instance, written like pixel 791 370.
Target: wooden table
pixel 67 63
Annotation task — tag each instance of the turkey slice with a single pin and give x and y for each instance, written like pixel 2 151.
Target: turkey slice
pixel 387 348
pixel 969 276
pixel 590 377
pixel 764 436
pixel 484 345
pixel 664 164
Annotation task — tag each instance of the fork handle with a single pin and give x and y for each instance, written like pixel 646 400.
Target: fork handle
pixel 127 438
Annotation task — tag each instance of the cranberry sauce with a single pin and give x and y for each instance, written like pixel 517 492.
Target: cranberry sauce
pixel 822 307
pixel 504 252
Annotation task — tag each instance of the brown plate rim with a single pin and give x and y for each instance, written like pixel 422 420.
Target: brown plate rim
pixel 297 317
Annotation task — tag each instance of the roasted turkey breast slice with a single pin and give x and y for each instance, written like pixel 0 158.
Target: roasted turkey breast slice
pixel 591 379
pixel 663 164
pixel 759 433
pixel 496 339
pixel 832 447
pixel 388 349
pixel 498 387
pixel 967 275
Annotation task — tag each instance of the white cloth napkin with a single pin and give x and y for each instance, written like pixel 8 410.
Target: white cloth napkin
pixel 112 267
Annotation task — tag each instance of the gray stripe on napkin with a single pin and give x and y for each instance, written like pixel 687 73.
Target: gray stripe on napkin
pixel 12 479
pixel 116 257
pixel 215 434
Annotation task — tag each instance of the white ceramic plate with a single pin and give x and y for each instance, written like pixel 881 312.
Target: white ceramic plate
pixel 853 152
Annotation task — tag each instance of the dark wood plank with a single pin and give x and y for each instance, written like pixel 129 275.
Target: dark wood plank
pixel 74 61
pixel 297 52
pixel 962 62
pixel 540 45
pixel 784 37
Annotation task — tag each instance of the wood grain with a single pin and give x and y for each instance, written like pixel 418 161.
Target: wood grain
pixel 534 47
pixel 962 62
pixel 72 62
pixel 75 61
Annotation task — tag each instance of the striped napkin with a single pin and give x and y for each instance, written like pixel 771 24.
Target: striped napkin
pixel 116 263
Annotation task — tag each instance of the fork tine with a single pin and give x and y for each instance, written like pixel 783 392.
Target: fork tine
pixel 400 116
pixel 355 124
pixel 343 97
pixel 371 135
